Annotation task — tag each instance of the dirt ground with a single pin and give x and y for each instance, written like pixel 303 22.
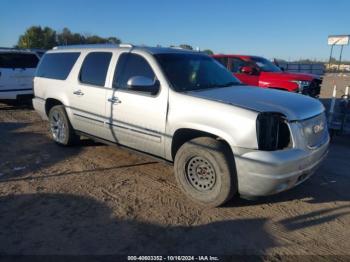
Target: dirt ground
pixel 98 199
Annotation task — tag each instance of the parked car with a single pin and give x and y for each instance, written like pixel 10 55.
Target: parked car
pixel 258 71
pixel 183 106
pixel 38 51
pixel 17 70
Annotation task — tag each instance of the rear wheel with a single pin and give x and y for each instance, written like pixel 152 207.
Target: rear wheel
pixel 204 170
pixel 61 130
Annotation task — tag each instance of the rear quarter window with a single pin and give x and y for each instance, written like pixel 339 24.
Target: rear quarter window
pixel 57 65
pixel 18 60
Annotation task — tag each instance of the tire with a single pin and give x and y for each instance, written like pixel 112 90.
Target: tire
pixel 209 163
pixel 61 129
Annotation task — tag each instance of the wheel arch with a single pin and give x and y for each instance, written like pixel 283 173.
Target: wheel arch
pixel 50 103
pixel 183 135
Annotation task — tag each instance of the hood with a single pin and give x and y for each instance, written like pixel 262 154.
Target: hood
pixel 288 76
pixel 293 106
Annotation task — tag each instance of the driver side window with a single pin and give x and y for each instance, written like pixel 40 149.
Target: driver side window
pixel 235 65
pixel 131 65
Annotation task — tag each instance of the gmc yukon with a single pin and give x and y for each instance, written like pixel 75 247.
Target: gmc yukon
pixel 224 138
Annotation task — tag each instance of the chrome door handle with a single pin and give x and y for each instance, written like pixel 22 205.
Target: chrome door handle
pixel 78 93
pixel 114 100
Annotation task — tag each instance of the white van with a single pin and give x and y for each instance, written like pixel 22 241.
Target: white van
pixel 17 70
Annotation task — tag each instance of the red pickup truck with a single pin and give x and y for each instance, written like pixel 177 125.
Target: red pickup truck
pixel 258 71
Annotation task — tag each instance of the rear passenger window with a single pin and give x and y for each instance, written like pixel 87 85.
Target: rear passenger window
pixel 94 68
pixel 57 65
pixel 18 60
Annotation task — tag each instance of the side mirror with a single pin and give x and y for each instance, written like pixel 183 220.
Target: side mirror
pixel 143 84
pixel 247 70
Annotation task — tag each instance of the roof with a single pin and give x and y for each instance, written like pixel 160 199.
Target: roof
pixel 91 46
pixel 234 55
pixel 17 50
pixel 151 50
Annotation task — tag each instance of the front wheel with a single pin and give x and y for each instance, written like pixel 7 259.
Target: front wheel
pixel 204 170
pixel 61 130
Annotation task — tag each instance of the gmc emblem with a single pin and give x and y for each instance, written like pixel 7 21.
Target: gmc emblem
pixel 318 128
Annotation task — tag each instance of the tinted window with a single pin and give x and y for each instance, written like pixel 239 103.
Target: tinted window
pixel 236 65
pixel 40 53
pixel 18 60
pixel 222 60
pixel 188 72
pixel 57 65
pixel 265 65
pixel 94 68
pixel 130 65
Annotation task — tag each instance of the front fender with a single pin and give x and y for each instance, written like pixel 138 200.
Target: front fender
pixel 235 125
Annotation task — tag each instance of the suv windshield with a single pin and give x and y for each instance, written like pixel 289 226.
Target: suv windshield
pixel 265 65
pixel 189 72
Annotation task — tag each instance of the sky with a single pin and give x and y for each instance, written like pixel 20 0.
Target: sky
pixel 283 29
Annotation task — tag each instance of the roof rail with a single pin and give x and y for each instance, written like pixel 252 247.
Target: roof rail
pixel 87 46
pixel 177 47
pixel 181 48
pixel 20 49
pixel 126 45
pixel 14 48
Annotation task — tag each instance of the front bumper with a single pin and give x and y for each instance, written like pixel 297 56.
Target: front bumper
pixel 313 90
pixel 262 173
pixel 13 95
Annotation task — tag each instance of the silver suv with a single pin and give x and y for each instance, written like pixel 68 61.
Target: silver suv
pixel 223 137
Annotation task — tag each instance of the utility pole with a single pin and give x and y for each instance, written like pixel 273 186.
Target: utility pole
pixel 341 52
pixel 330 58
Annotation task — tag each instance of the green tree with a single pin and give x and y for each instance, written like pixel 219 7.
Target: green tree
pixel 186 46
pixel 113 40
pixel 37 37
pixel 208 51
pixel 47 38
pixel 94 39
pixel 66 37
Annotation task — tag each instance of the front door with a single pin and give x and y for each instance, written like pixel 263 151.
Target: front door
pixel 137 118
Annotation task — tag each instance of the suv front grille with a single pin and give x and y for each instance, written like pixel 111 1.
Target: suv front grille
pixel 315 130
pixel 313 89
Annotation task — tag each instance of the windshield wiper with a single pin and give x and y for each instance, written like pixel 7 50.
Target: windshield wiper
pixel 210 86
pixel 229 84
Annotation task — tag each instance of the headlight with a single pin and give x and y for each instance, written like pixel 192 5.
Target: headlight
pixel 272 132
pixel 302 85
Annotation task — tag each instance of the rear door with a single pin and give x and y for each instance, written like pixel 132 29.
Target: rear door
pixel 17 71
pixel 236 64
pixel 88 94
